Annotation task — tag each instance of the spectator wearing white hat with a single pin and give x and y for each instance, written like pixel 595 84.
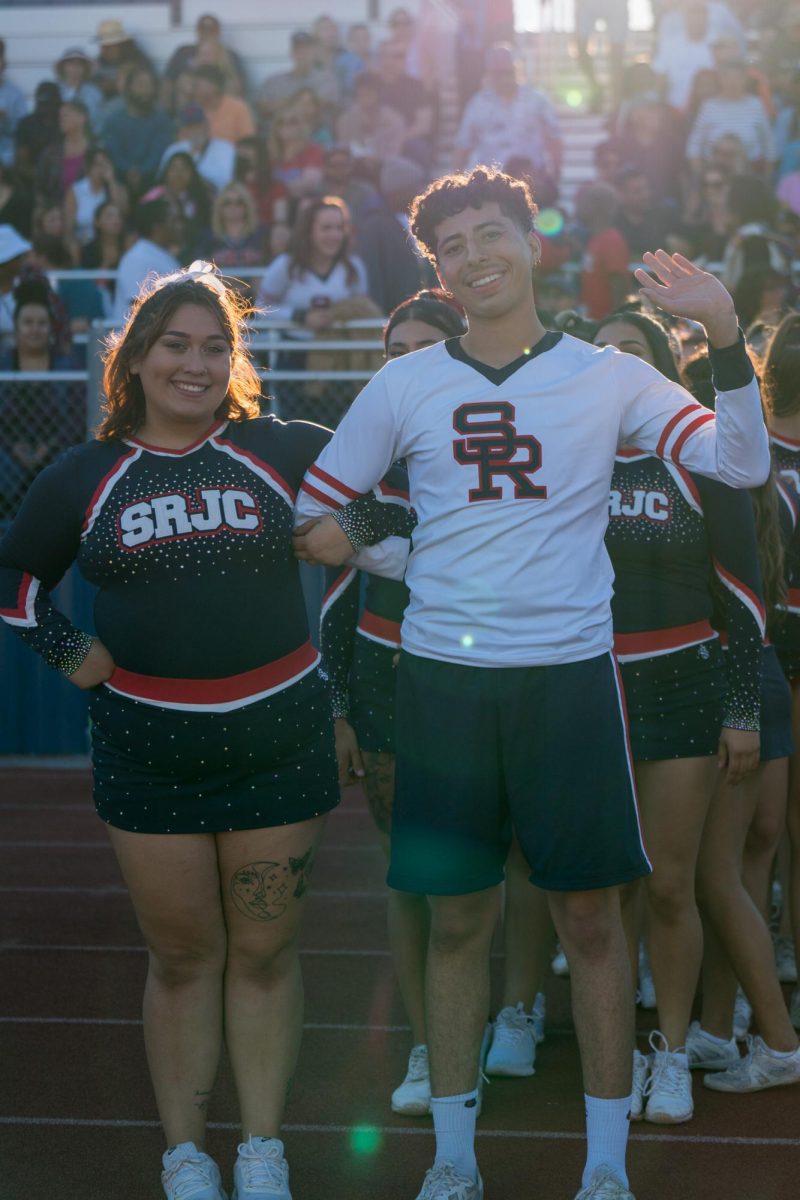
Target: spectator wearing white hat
pixel 12 109
pixel 13 250
pixel 118 54
pixel 73 71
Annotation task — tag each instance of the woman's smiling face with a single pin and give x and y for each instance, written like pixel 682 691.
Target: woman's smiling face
pixel 186 372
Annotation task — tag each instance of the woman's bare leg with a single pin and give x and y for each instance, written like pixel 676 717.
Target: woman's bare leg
pixel 264 875
pixel 173 882
pixel 409 915
pixel 528 933
pixel 674 795
pixel 736 919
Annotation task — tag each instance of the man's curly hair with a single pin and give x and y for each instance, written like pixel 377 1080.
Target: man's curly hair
pixel 451 194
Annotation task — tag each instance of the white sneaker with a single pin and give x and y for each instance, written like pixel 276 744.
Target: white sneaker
pixel 742 1016
pixel 640 1069
pixel 757 1071
pixel 794 1008
pixel 559 964
pixel 189 1174
pixel 413 1097
pixel 605 1184
pixel 260 1171
pixel 513 1047
pixel 538 1014
pixel 707 1052
pixel 444 1182
pixel 669 1088
pixel 646 992
pixel 784 959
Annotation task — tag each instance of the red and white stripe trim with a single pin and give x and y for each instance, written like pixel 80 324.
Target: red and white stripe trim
pixel 747 597
pixel 105 487
pixel 216 695
pixel 323 487
pixel 680 427
pixel 792 604
pixel 787 443
pixel 652 643
pixel 24 615
pixel 631 454
pixel 264 471
pixel 380 629
pixel 166 452
pixel 789 497
pixel 393 495
pixel 336 590
pixel 623 711
pixel 686 486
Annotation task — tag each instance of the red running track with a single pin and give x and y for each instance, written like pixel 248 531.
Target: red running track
pixel 77 1118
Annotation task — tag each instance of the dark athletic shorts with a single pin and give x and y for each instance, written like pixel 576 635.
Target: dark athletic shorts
pixel 776 709
pixel 373 680
pixel 544 749
pixel 676 702
pixel 161 770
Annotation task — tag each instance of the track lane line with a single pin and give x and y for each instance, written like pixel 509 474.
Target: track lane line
pixel 538 1135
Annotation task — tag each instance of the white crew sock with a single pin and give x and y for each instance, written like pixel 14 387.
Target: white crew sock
pixel 712 1037
pixel 607 1124
pixel 454 1124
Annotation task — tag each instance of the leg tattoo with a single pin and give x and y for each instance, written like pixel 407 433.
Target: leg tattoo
pixel 262 890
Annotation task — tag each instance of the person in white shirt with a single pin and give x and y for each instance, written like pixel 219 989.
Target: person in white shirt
pixel 316 271
pixel 509 709
pixel 215 158
pixel 154 221
pixel 505 119
pixel 733 111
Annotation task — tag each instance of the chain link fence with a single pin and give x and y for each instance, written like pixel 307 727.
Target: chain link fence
pixel 44 413
pixel 41 415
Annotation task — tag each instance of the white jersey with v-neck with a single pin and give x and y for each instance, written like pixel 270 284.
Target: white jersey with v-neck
pixel 510 473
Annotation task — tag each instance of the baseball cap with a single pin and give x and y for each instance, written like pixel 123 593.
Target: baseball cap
pixel 12 243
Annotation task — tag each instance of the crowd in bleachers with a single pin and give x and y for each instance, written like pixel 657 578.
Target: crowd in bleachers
pixel 702 152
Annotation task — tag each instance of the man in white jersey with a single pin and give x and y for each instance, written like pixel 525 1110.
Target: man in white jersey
pixel 509 709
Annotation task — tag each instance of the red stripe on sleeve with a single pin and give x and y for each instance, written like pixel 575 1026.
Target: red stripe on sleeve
pixel 21 611
pixel 670 425
pixel 691 428
pixel 323 497
pixel 334 483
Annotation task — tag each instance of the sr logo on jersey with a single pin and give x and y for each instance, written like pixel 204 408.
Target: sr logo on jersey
pixel 175 515
pixel 492 445
pixel 639 502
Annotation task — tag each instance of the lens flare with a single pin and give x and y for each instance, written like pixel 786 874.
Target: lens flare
pixel 365 1139
pixel 467 641
pixel 550 222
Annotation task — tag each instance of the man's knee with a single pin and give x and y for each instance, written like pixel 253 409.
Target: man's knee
pixel 588 923
pixel 458 922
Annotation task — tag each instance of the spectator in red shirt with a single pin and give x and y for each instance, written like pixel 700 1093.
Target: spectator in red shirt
pixel 605 275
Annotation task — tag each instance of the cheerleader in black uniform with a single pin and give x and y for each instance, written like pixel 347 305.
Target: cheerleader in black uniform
pixel 669 531
pixel 781 377
pixel 359 645
pixel 212 743
pixel 738 943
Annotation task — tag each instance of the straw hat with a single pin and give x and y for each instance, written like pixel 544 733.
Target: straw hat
pixel 111 33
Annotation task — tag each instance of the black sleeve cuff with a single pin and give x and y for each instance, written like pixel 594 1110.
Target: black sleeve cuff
pixel 353 524
pixel 731 367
